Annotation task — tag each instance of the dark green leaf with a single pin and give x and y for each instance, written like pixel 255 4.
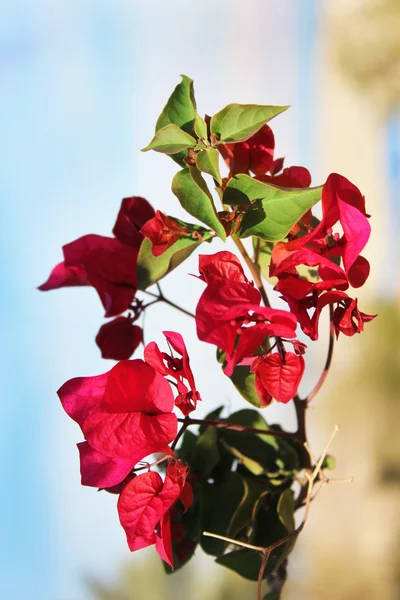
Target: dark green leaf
pixel 219 502
pixel 170 140
pixel 188 446
pixel 193 194
pixel 258 453
pixel 152 268
pixel 273 211
pixel 244 562
pixel 285 509
pixel 206 455
pixel 212 416
pixel 238 122
pixel 242 518
pixel 207 161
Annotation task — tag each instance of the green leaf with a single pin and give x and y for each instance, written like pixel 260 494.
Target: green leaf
pixel 243 380
pixel 253 488
pixel 188 446
pixel 151 269
pixel 181 111
pixel 329 462
pixel 200 127
pixel 206 454
pixel 238 122
pixel 214 415
pixel 207 161
pixel 193 194
pixel 264 258
pixel 170 140
pixel 219 502
pixel 273 211
pixel 180 108
pixel 244 562
pixel 258 453
pixel 286 509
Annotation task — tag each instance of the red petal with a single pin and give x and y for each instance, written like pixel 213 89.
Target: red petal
pixel 281 379
pixel 82 396
pixel 62 276
pixel 118 339
pixel 133 214
pixel 134 386
pixel 98 470
pixel 132 435
pixel 140 509
pixel 222 265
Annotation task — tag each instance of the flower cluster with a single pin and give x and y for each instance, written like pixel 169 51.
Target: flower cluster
pixel 109 265
pixel 126 415
pixel 321 248
pixel 236 476
pixel 230 316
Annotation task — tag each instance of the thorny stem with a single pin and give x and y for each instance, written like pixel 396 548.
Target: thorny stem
pixel 328 361
pixel 235 427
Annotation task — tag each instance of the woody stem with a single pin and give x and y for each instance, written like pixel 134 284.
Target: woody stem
pixel 328 361
pixel 254 268
pixel 225 425
pixel 161 298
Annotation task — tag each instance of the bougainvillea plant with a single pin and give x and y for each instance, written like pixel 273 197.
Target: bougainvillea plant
pixel 228 483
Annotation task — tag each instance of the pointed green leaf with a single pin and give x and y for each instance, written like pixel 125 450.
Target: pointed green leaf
pixel 243 380
pixel 180 108
pixel 219 502
pixel 200 127
pixel 238 122
pixel 151 269
pixel 273 211
pixel 193 194
pixel 207 161
pixel 170 140
pixel 286 509
pixel 253 488
pixel 206 455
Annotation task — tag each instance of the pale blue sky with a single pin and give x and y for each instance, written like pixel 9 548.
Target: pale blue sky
pixel 82 83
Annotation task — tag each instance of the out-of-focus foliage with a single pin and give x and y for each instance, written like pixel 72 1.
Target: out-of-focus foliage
pixel 147 580
pixel 367 43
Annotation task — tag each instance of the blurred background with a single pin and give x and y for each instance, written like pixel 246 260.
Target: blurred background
pixel 82 83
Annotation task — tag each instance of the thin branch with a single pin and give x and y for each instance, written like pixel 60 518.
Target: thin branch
pixel 182 310
pixel 180 432
pixel 255 271
pixel 235 427
pixel 231 541
pixel 261 573
pixel 328 361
